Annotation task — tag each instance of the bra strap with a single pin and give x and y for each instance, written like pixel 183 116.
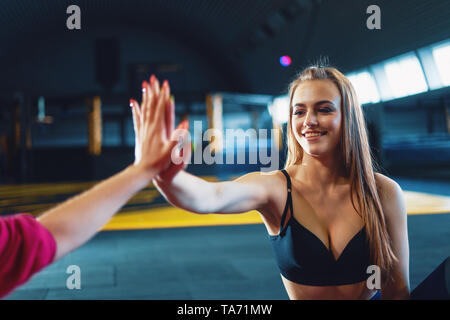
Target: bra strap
pixel 288 202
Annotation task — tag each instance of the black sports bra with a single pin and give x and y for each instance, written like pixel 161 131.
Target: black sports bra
pixel 303 258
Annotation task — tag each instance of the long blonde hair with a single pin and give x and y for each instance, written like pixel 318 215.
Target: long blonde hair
pixel 355 153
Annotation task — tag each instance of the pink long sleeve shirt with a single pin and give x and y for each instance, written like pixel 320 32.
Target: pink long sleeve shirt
pixel 25 248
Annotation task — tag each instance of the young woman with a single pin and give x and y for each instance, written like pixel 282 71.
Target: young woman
pixel 328 215
pixel 27 244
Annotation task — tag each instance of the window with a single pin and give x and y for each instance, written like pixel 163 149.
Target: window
pixel 365 87
pixel 279 109
pixel 441 55
pixel 405 76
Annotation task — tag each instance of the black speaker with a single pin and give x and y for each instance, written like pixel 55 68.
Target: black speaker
pixel 107 62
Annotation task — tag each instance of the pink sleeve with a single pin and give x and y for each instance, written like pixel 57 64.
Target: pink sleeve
pixel 25 248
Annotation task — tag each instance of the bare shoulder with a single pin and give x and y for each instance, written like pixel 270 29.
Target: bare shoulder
pixel 387 187
pixel 391 197
pixel 271 185
pixel 269 179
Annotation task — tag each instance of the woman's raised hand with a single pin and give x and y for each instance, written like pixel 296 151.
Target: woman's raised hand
pixel 153 122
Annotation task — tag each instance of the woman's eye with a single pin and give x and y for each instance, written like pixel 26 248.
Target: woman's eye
pixel 300 112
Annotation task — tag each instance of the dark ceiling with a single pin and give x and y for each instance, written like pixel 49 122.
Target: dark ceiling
pixel 241 38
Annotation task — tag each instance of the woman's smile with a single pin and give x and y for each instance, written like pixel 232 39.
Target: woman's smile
pixel 314 136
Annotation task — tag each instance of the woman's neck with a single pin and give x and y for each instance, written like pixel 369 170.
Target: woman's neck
pixel 325 173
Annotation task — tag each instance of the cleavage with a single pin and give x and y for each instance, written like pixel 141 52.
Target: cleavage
pixel 316 223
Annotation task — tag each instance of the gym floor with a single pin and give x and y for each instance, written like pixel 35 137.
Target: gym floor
pixel 165 253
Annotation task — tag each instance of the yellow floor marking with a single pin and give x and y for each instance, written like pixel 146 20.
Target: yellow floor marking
pixel 423 203
pixel 170 217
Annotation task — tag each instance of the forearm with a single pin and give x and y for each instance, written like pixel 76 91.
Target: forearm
pixel 194 194
pixel 76 220
pixel 187 192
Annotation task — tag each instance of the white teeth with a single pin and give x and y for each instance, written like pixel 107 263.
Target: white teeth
pixel 312 134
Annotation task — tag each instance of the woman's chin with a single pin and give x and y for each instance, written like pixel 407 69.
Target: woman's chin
pixel 317 153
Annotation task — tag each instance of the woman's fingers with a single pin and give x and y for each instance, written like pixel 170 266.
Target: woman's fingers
pixel 137 129
pixel 164 98
pixel 170 117
pixel 168 149
pixel 184 125
pixel 157 108
pixel 146 97
pixel 136 116
pixel 155 90
pixel 135 106
pixel 154 83
pixel 181 136
pixel 180 155
pixel 153 124
pixel 179 148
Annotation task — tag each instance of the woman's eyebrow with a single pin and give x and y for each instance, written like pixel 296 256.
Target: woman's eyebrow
pixel 318 103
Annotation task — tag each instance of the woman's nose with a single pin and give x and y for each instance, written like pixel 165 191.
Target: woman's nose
pixel 310 119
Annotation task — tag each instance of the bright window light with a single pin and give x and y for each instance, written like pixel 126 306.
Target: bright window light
pixel 441 55
pixel 365 87
pixel 279 109
pixel 405 76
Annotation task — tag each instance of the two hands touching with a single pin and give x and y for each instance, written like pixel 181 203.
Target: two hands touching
pixel 76 220
pixel 156 151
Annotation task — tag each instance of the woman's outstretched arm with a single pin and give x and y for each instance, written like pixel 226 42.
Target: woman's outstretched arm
pixel 194 194
pixel 188 192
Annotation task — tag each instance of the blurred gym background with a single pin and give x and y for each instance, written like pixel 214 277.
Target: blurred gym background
pixel 65 124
